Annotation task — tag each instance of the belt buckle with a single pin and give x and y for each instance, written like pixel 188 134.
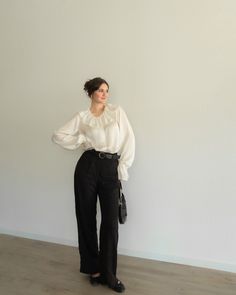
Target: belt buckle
pixel 101 155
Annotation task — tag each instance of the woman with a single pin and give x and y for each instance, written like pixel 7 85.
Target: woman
pixel 106 137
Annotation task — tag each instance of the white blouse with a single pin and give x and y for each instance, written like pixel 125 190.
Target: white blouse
pixel 110 132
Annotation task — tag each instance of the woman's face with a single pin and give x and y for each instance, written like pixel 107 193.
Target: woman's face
pixel 100 95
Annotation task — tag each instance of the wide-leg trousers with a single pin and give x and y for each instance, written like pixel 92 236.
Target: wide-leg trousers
pixel 96 177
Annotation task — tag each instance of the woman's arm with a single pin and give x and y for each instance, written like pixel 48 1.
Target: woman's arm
pixel 68 135
pixel 127 146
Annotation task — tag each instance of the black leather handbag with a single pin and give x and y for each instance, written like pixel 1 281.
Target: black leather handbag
pixel 122 207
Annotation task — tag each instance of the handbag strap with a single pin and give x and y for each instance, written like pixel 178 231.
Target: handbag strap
pixel 120 193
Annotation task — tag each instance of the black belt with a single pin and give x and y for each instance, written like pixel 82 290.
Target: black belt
pixel 103 155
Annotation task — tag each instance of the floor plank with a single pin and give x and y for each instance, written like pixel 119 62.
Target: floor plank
pixel 31 267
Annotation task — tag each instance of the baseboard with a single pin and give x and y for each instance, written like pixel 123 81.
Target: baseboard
pixel 180 260
pixel 122 251
pixel 38 237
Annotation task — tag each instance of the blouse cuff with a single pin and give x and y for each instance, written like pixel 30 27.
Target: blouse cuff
pixel 122 172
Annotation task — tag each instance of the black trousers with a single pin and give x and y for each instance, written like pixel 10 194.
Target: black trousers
pixel 95 177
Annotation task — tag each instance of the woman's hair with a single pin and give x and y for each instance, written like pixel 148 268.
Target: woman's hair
pixel 93 84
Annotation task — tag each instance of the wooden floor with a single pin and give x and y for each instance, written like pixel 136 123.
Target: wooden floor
pixel 37 268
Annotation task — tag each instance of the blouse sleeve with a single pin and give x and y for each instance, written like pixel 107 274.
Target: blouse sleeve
pixel 68 135
pixel 127 146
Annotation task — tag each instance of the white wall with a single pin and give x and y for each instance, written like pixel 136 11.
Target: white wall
pixel 171 65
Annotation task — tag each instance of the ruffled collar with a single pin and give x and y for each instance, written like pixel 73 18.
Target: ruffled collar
pixel 106 118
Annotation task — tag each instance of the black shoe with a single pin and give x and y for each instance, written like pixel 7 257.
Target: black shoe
pixel 94 281
pixel 118 287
